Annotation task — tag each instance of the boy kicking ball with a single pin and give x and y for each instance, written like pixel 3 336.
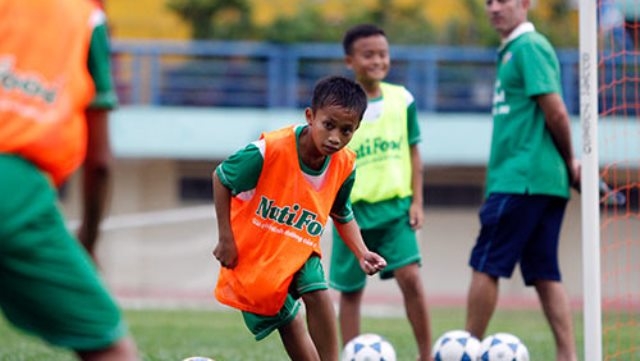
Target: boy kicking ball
pixel 273 199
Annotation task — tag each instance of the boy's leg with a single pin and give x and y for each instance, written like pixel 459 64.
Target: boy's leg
pixel 349 315
pixel 321 323
pixel 38 256
pixel 415 304
pixel 310 283
pixel 297 342
pixel 555 304
pixel 398 244
pixel 481 303
pixel 346 276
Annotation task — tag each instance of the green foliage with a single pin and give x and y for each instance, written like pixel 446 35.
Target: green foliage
pixel 306 26
pixel 560 26
pixel 214 19
pixel 402 25
pixel 477 32
pixel 230 20
pixel 553 18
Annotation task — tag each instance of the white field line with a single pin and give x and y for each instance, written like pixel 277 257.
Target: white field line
pixel 153 218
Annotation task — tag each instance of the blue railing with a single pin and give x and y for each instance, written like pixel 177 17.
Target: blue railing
pixel 263 75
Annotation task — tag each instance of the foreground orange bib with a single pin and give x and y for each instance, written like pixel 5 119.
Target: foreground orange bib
pixel 278 227
pixel 42 99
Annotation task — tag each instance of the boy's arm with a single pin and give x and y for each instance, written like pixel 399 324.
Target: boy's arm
pixel 225 251
pixel 370 262
pixel 237 174
pixel 416 211
pixel 97 165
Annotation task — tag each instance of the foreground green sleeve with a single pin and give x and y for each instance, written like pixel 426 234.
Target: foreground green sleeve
pixel 341 211
pixel 99 64
pixel 240 172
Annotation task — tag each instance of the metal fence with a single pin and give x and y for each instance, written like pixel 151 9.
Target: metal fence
pixel 264 75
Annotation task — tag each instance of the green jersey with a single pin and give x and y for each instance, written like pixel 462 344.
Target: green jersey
pixel 241 171
pixel 524 158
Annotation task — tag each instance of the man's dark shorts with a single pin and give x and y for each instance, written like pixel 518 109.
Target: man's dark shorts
pixel 519 228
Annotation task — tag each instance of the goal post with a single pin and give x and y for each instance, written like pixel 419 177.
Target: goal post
pixel 588 68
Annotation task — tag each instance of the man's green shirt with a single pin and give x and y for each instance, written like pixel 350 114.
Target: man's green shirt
pixel 524 158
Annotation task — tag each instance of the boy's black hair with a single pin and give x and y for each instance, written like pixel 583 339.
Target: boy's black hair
pixel 339 91
pixel 357 32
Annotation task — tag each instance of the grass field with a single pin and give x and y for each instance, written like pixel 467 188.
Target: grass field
pixel 171 335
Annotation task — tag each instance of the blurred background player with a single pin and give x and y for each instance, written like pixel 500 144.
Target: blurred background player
pixel 531 168
pixel 48 54
pixel 273 199
pixel 387 194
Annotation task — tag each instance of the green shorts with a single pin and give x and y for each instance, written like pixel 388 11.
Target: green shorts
pixel 308 279
pixel 396 242
pixel 48 284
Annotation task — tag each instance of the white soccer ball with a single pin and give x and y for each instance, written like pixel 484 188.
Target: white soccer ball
pixel 456 345
pixel 368 347
pixel 198 358
pixel 503 347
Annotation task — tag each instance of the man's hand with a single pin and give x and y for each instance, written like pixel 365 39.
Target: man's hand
pixel 574 174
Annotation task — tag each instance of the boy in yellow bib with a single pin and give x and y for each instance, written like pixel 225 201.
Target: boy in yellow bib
pixel 273 199
pixel 387 195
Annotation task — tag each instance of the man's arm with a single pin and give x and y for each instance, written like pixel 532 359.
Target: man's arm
pixel 559 125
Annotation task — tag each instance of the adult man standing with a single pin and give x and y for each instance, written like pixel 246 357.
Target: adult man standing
pixel 50 71
pixel 530 171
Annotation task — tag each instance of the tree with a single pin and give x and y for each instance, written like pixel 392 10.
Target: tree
pixel 403 25
pixel 205 16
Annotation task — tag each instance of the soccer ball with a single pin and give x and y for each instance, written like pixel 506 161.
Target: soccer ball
pixel 456 345
pixel 503 347
pixel 198 358
pixel 368 347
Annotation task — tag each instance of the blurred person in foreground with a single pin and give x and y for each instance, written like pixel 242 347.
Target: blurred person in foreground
pixel 273 199
pixel 387 194
pixel 54 62
pixel 529 176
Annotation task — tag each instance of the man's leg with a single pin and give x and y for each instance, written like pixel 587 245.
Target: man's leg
pixel 349 315
pixel 297 342
pixel 555 304
pixel 481 303
pixel 321 321
pixel 415 304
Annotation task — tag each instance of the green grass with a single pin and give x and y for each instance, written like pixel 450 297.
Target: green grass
pixel 171 335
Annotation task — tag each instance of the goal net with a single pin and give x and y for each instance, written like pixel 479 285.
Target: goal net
pixel 610 107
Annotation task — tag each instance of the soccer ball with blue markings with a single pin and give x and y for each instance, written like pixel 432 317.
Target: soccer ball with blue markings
pixel 368 347
pixel 503 346
pixel 456 345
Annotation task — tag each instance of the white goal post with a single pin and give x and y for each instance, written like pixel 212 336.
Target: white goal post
pixel 592 310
